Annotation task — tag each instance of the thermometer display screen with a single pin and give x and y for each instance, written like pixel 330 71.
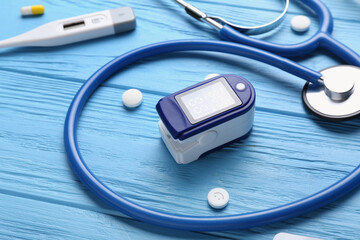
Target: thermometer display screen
pixel 208 100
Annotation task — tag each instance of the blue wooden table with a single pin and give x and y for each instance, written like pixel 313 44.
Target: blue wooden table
pixel 289 155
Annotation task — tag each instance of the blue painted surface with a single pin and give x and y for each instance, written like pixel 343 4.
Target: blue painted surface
pixel 290 154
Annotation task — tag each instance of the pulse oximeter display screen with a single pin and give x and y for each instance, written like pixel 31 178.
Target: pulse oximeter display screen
pixel 207 100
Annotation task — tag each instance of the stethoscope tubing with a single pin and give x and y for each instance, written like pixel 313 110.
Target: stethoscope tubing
pixel 195 223
pixel 321 39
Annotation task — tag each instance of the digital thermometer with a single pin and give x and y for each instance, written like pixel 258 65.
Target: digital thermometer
pixel 76 29
pixel 206 116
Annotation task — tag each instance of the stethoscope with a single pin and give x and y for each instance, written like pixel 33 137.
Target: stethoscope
pixel 320 86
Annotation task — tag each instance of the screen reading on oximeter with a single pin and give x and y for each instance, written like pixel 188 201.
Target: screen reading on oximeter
pixel 207 100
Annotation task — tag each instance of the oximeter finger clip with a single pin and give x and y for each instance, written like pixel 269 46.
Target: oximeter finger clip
pixel 206 116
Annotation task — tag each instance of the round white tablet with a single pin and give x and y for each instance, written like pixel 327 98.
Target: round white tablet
pixel 132 98
pixel 300 23
pixel 218 198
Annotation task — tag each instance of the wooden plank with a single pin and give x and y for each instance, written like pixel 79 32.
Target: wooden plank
pixel 166 12
pixel 29 219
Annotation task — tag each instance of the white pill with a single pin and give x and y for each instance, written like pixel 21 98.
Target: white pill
pixel 211 75
pixel 287 236
pixel 218 198
pixel 300 23
pixel 132 98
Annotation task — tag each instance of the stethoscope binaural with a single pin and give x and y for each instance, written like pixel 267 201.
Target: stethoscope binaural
pixel 318 87
pixel 218 22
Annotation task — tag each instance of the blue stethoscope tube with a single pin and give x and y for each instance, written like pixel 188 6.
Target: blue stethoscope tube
pixel 321 39
pixel 196 223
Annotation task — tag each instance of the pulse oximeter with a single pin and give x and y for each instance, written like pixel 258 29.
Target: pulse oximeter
pixel 206 116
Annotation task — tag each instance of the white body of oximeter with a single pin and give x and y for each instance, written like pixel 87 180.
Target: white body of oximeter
pixel 206 116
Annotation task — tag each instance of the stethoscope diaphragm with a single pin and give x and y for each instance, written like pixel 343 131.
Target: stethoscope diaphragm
pixel 338 97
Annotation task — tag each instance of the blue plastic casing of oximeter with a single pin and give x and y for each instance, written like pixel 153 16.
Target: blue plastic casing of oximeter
pixel 178 124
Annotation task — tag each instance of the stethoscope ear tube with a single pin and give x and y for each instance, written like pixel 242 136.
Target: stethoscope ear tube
pixel 195 223
pixel 219 22
pixel 255 30
pixel 321 39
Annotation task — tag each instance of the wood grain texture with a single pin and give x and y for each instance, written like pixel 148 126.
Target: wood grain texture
pixel 289 155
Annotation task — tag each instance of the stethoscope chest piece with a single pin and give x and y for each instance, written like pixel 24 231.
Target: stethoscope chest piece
pixel 338 97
